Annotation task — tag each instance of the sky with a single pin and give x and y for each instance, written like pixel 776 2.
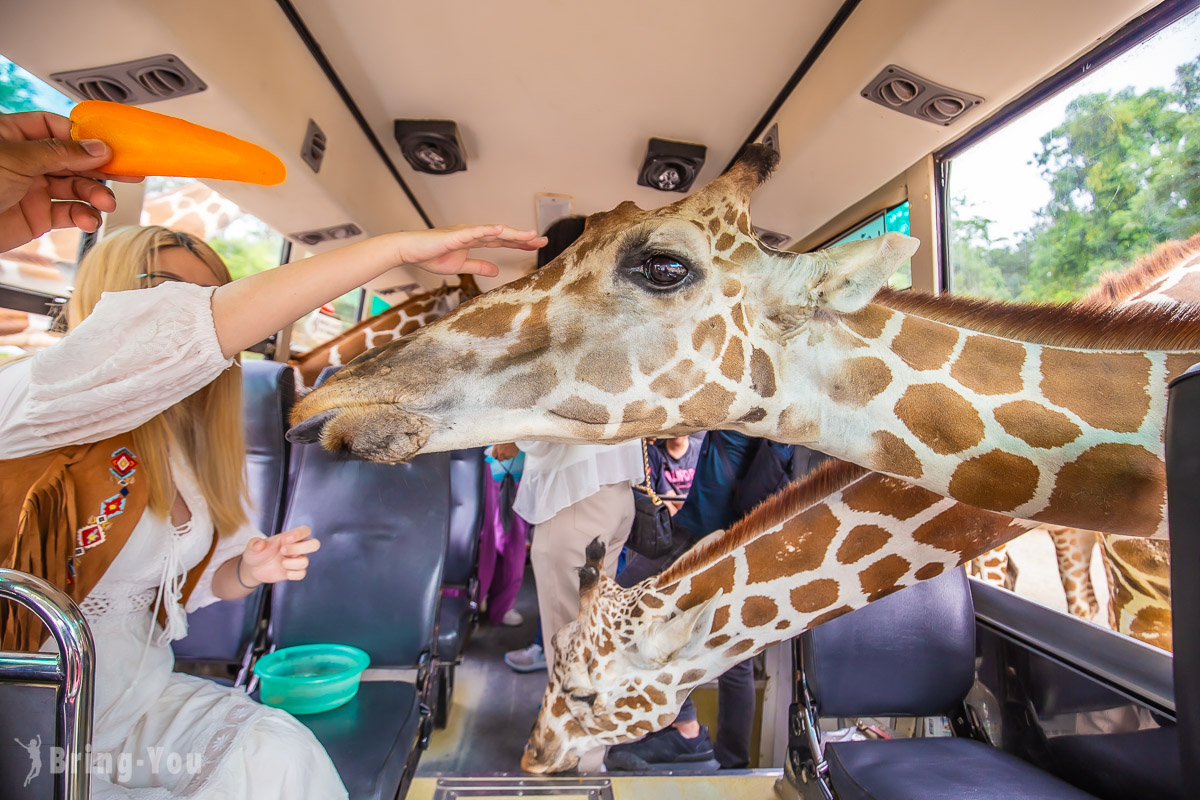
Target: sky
pixel 999 176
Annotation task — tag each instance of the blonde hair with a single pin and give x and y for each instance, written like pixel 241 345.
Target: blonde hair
pixel 206 426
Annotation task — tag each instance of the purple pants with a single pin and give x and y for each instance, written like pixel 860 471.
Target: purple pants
pixel 501 555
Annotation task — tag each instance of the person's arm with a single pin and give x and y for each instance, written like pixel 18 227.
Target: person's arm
pixel 250 309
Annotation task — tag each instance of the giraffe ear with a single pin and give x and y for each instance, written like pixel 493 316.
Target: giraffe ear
pixel 679 636
pixel 845 277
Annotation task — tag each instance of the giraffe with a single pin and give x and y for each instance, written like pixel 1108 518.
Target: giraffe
pixel 830 543
pixel 193 208
pixel 399 320
pixel 1139 577
pixel 1138 605
pixel 1047 413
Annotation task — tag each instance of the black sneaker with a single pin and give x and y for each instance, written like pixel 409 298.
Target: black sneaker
pixel 665 750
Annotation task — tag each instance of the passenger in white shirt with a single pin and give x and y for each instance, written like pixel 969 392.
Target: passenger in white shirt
pixel 572 494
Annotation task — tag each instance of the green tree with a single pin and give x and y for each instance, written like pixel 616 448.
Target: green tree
pixel 1124 173
pixel 17 90
pixel 247 254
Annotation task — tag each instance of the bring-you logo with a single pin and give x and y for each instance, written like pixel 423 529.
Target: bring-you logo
pixel 120 767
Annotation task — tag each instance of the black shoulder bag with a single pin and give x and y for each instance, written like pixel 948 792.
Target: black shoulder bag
pixel 650 535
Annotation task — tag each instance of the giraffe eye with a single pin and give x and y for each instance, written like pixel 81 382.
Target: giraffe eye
pixel 664 270
pixel 584 698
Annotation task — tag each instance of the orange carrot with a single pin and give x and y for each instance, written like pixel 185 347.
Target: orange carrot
pixel 148 143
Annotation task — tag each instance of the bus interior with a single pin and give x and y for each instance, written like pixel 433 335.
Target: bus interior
pixel 1031 147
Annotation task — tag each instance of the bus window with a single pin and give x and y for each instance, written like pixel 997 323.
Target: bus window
pixel 47 264
pixel 1084 183
pixel 894 219
pixel 326 322
pixel 247 244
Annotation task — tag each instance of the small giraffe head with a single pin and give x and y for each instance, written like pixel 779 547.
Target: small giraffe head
pixel 664 321
pixel 621 670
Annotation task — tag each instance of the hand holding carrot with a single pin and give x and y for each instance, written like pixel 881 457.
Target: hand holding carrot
pixel 48 181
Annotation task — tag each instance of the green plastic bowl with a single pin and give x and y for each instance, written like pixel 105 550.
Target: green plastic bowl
pixel 310 678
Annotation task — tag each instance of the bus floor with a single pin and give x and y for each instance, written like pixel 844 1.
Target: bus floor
pixel 478 753
pixel 493 708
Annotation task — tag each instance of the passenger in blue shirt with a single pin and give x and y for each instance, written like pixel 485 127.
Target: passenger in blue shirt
pixel 733 474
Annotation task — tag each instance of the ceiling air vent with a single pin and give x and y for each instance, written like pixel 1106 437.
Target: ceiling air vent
pixel 773 239
pixel 334 232
pixel 134 82
pixel 898 89
pixel 313 149
pixel 100 88
pixel 162 81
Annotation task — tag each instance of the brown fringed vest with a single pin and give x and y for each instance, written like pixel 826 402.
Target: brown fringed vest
pixel 64 516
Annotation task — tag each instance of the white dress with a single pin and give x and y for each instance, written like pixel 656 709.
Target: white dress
pixel 157 733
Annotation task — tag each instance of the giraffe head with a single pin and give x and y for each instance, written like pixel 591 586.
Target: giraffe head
pixel 621 670
pixel 663 321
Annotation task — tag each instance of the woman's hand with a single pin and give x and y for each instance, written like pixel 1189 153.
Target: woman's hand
pixel 443 251
pixel 48 181
pixel 282 557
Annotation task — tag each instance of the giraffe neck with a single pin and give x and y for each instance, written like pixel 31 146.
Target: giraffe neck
pixel 778 573
pixel 949 408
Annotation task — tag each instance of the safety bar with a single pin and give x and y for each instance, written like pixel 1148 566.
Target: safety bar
pixel 74 668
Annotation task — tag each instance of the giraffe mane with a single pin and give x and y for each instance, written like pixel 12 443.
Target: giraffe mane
pixel 1116 287
pixel 1075 325
pixel 831 476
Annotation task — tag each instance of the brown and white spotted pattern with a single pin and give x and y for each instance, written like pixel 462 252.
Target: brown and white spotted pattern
pixel 995 567
pixel 1168 276
pixel 677 320
pixel 836 541
pixel 1139 577
pixel 400 320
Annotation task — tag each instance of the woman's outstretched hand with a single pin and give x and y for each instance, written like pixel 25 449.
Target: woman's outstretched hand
pixel 443 251
pixel 282 557
pixel 48 181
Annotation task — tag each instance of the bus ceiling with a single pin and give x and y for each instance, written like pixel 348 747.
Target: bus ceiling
pixel 562 98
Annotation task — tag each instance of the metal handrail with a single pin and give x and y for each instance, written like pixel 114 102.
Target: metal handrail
pixel 74 666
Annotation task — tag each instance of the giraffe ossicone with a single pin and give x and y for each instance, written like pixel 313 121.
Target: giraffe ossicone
pixel 677 320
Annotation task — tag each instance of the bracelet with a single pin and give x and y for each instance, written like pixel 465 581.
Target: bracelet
pixel 237 571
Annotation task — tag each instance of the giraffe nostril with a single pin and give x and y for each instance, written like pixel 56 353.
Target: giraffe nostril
pixel 308 431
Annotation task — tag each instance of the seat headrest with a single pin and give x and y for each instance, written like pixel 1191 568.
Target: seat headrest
pixel 909 654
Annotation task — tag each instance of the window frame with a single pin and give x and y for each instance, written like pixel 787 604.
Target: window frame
pixel 1126 38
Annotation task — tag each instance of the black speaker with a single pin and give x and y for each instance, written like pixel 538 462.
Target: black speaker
pixel 671 166
pixel 431 145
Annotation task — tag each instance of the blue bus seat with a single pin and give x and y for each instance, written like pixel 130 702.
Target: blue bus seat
pixel 27 713
pixel 375 584
pixel 910 654
pixel 460 603
pixel 460 586
pixel 219 635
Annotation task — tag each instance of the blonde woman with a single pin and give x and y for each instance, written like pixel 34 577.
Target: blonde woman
pixel 122 469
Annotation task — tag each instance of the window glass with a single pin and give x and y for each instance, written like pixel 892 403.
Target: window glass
pixel 892 220
pixel 247 244
pixel 326 322
pixel 1081 185
pixel 47 264
pixel 1087 181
